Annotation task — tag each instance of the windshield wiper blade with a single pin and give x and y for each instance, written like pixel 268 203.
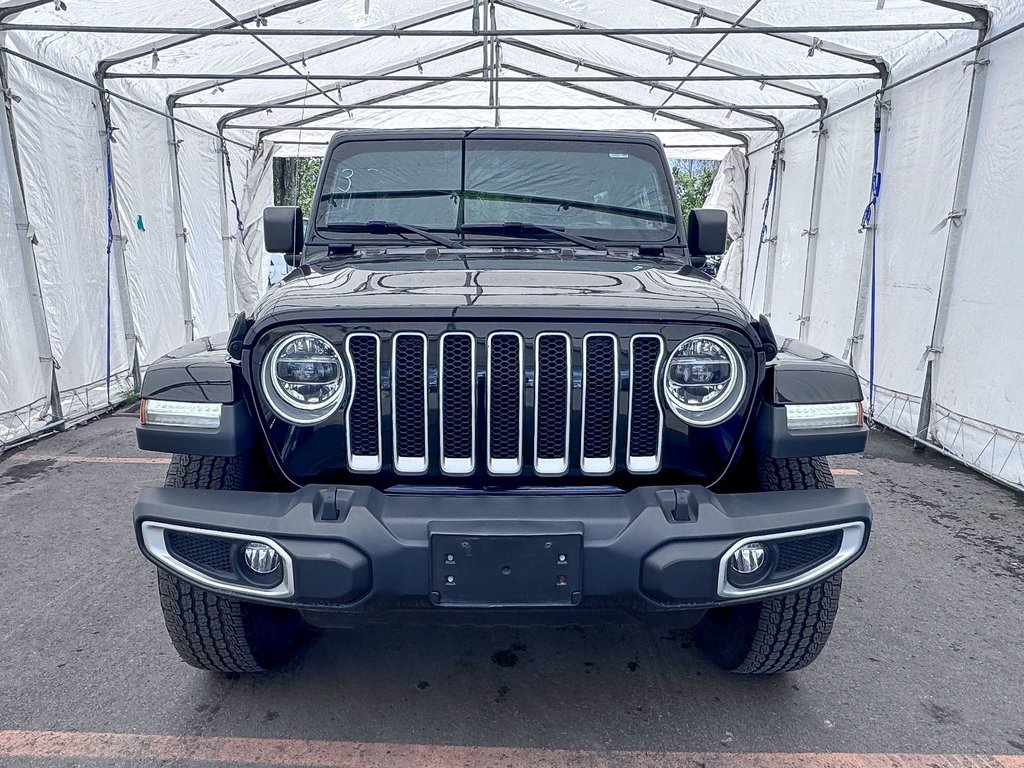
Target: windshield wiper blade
pixel 513 228
pixel 393 227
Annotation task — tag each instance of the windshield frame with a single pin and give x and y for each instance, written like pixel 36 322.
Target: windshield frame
pixel 319 237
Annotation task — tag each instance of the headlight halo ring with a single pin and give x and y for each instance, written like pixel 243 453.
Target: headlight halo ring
pixel 287 407
pixel 723 407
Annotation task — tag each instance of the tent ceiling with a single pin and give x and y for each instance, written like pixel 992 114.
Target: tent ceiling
pixel 706 75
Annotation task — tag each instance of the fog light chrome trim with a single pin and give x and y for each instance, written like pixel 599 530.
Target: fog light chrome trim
pixel 154 542
pixel 824 415
pixel 173 413
pixel 853 541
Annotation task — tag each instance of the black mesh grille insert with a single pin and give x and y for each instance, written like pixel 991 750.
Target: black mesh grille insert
pixel 645 425
pixel 363 418
pixel 410 401
pixel 599 397
pixel 200 551
pixel 552 387
pixel 803 553
pixel 505 406
pixel 457 396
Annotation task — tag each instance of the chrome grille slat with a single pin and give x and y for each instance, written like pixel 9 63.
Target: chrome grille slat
pixel 600 415
pixel 646 418
pixel 409 402
pixel 504 403
pixel 557 418
pixel 363 417
pixel 552 384
pixel 456 383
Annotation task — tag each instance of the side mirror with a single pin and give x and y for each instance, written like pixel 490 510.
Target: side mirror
pixel 706 231
pixel 283 232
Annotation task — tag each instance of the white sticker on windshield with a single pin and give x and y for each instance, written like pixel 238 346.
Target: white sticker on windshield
pixel 618 154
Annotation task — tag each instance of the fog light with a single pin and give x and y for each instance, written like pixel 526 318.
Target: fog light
pixel 749 558
pixel 261 558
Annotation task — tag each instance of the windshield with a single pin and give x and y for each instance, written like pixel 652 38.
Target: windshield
pixel 608 191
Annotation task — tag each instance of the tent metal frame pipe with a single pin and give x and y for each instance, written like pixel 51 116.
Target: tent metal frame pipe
pixel 653 109
pixel 860 314
pixel 13 10
pixel 130 54
pixel 906 79
pixel 256 108
pixel 302 123
pixel 653 83
pixel 288 101
pixel 28 257
pixel 773 229
pixel 254 33
pixel 118 254
pixel 113 94
pixel 737 22
pixel 664 50
pixel 180 232
pixel 228 224
pixel 269 130
pixel 813 225
pixel 313 53
pixel 767 78
pixel 586 31
pixel 654 130
pixel 619 103
pixel 954 238
pixel 802 39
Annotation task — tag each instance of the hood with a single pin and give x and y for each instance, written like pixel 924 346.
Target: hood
pixel 488 287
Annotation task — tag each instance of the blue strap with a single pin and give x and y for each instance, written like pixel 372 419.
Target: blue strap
pixel 765 206
pixel 867 221
pixel 110 241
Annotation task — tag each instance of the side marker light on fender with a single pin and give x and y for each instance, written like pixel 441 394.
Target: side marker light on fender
pixel 171 413
pixel 825 415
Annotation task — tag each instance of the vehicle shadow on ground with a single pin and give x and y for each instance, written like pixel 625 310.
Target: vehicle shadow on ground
pixel 570 687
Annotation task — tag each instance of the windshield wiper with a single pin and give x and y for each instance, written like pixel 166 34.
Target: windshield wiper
pixel 514 228
pixel 392 227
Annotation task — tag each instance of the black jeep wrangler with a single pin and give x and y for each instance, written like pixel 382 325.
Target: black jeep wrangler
pixel 497 386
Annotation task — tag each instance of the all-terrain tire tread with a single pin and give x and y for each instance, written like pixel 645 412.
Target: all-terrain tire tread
pixel 794 474
pixel 784 633
pixel 208 630
pixel 792 630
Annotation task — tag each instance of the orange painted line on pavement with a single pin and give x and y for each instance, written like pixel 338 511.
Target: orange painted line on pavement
pixel 98 459
pixel 850 472
pixel 352 754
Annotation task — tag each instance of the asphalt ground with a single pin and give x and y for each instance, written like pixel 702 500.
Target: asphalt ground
pixel 926 662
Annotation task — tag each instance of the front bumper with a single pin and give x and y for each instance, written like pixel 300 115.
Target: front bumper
pixel 343 548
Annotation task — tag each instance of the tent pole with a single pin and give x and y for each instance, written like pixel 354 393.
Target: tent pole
pixel 954 238
pixel 308 55
pixel 584 31
pixel 773 229
pixel 226 236
pixel 28 257
pixel 118 244
pixel 812 232
pixel 860 314
pixel 181 233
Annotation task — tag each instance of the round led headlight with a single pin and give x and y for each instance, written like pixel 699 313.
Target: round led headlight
pixel 704 380
pixel 303 378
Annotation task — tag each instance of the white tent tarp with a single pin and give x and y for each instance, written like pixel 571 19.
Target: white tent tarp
pixel 105 271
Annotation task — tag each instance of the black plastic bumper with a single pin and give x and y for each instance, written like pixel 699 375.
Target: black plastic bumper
pixel 350 546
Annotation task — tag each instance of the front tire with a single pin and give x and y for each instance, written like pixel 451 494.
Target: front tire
pixel 780 634
pixel 208 630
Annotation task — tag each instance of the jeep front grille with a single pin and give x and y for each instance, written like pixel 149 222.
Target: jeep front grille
pixel 506 404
